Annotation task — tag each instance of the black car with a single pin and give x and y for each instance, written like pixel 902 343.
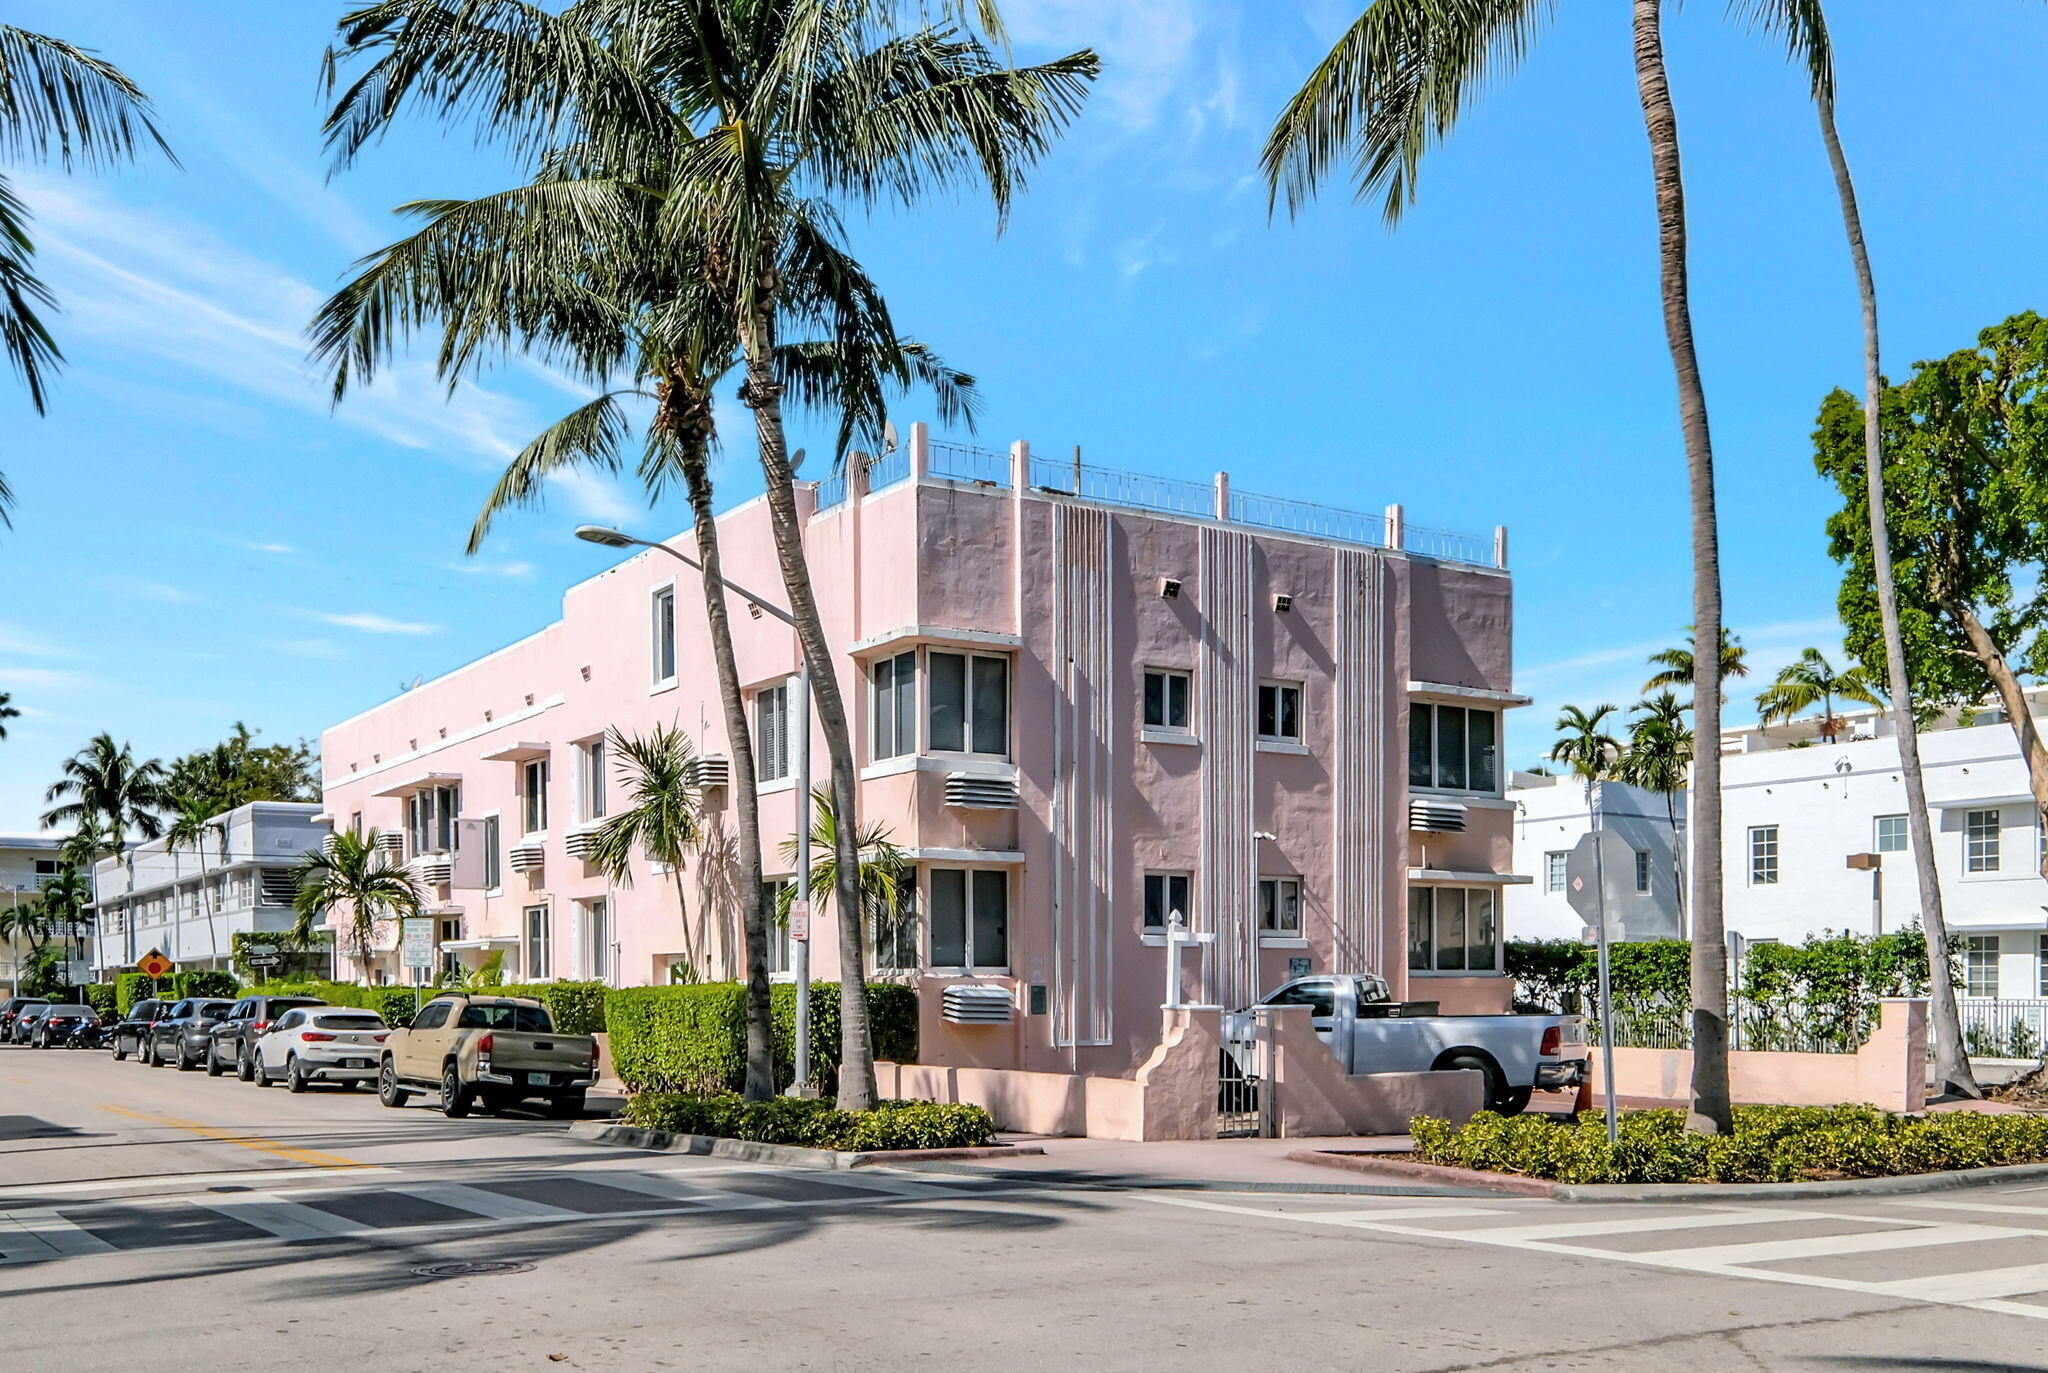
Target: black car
pixel 233 1039
pixel 130 1034
pixel 70 1026
pixel 180 1036
pixel 10 1011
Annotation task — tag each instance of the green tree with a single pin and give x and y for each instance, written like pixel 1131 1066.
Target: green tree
pixel 8 710
pixel 886 878
pixel 1675 667
pixel 351 878
pixel 67 898
pixel 770 112
pixel 660 820
pixel 1659 759
pixel 1585 748
pixel 61 104
pixel 105 783
pixel 1813 681
pixel 239 770
pixel 1392 87
pixel 195 818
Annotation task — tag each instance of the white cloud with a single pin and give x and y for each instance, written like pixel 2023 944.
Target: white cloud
pixel 1148 48
pixel 13 640
pixel 595 497
pixel 14 676
pixel 477 569
pixel 370 623
pixel 161 592
pixel 283 550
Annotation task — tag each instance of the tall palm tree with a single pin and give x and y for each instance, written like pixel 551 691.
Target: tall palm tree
pixel 350 877
pixel 194 819
pixel 68 898
pixel 1675 666
pixel 886 874
pixel 1952 1059
pixel 660 820
pixel 1811 681
pixel 1659 759
pixel 62 104
pixel 1586 749
pixel 767 111
pixel 7 707
pixel 104 782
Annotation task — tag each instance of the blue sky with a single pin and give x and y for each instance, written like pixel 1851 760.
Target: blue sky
pixel 199 539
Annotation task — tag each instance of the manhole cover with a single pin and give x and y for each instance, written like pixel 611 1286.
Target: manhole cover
pixel 470 1270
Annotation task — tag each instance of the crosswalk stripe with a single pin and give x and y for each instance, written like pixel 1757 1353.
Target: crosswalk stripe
pixel 1394 1213
pixel 2039 1213
pixel 1587 1229
pixel 57 1234
pixel 1969 1287
pixel 479 1202
pixel 285 1220
pixel 1827 1246
pixel 670 1188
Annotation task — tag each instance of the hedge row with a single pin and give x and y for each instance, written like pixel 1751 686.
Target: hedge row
pixel 1769 1144
pixel 130 988
pixel 693 1039
pixel 577 1007
pixel 816 1124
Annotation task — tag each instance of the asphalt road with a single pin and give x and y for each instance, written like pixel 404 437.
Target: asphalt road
pixel 150 1217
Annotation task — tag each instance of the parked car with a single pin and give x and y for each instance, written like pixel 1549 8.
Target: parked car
pixel 180 1036
pixel 320 1044
pixel 488 1050
pixel 61 1026
pixel 131 1032
pixel 11 1009
pixel 1370 1032
pixel 232 1041
pixel 24 1026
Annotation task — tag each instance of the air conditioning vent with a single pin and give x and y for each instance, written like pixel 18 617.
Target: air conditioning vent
pixel 528 857
pixel 981 793
pixel 580 842
pixel 434 869
pixel 1436 817
pixel 974 1005
pixel 392 843
pixel 711 770
pixel 279 887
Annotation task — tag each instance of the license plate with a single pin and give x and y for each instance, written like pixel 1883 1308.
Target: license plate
pixel 355 1063
pixel 536 1079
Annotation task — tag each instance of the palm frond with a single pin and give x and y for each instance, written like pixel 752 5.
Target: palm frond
pixel 1802 26
pixel 591 435
pixel 61 102
pixel 31 351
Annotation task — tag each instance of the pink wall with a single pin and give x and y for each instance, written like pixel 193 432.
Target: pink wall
pixel 1070 592
pixel 1889 1072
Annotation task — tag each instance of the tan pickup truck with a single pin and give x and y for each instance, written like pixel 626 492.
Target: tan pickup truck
pixel 488 1051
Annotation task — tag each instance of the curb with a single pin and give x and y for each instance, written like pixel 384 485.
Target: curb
pixel 789 1155
pixel 1153 1182
pixel 1508 1184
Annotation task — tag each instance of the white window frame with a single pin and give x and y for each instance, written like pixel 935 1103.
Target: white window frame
pixel 884 705
pixel 969 885
pixel 1980 956
pixel 1765 856
pixel 1276 932
pixel 539 968
pixel 1433 712
pixel 494 852
pixel 1167 677
pixel 772 736
pixel 2041 967
pixel 663 653
pixel 1165 879
pixel 1642 870
pixel 970 697
pixel 533 795
pixel 1466 945
pixel 1903 834
pixel 1279 685
pixel 590 780
pixel 1981 843
pixel 1554 864
pixel 781 954
pixel 594 938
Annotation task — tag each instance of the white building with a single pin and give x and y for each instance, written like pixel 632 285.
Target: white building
pixel 26 862
pixel 190 905
pixel 1551 816
pixel 1796 809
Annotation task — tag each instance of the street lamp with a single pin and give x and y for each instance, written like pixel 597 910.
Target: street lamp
pixel 800 944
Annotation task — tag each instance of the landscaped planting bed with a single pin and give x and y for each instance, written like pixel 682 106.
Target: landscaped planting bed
pixel 815 1124
pixel 1770 1144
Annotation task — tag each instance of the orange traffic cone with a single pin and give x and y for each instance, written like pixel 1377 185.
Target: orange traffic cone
pixel 1583 1100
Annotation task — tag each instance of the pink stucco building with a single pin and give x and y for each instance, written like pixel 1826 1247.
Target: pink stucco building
pixel 1083 698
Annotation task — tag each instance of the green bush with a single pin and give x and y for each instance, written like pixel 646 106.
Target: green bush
pixel 815 1124
pixel 692 1039
pixel 102 997
pixel 577 1007
pixel 204 982
pixel 395 1004
pixel 130 988
pixel 1769 1144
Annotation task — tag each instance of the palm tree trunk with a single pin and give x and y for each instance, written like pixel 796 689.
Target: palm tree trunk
pixel 760 1082
pixel 1710 1111
pixel 764 394
pixel 1951 1059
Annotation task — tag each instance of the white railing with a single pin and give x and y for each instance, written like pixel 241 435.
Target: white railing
pixel 2004 1028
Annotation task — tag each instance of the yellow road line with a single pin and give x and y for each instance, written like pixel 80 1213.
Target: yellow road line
pixel 268 1146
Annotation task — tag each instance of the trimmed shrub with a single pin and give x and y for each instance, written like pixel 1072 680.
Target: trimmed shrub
pixel 204 982
pixel 103 998
pixel 1769 1144
pixel 130 988
pixel 395 1004
pixel 815 1124
pixel 577 1007
pixel 693 1039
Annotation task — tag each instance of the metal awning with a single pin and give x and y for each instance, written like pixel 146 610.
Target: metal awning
pixel 517 753
pixel 488 941
pixel 1983 802
pixel 419 780
pixel 1469 879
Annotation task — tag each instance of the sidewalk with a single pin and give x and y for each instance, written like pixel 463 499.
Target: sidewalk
pixel 1249 1165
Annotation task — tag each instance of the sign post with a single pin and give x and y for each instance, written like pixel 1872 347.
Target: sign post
pixel 1586 870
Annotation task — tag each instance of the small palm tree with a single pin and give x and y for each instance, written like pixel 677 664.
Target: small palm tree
pixel 7 707
pixel 1659 759
pixel 193 820
pixel 350 877
pixel 1586 749
pixel 1813 681
pixel 661 818
pixel 104 782
pixel 885 877
pixel 1676 664
pixel 30 920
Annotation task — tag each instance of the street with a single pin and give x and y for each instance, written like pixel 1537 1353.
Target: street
pixel 231 1228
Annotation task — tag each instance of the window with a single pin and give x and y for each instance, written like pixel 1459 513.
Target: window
pixel 494 867
pixel 597 939
pixel 970 703
pixel 430 819
pixel 970 918
pixel 1891 834
pixel 1980 841
pixel 539 944
pixel 1452 930
pixel 778 927
pixel 450 931
pixel 1166 699
pixel 1453 748
pixel 46 867
pixel 895 689
pixel 1553 871
pixel 1165 893
pixel 1980 965
pixel 1319 995
pixel 1642 869
pixel 430 1017
pixel 2041 964
pixel 665 635
pixel 590 780
pixel 1763 856
pixel 533 792
pixel 893 932
pixel 1280 712
pixel 771 733
pixel 1279 907
pixel 355 823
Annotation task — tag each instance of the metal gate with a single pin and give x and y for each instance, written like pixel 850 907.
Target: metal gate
pixel 1237 1099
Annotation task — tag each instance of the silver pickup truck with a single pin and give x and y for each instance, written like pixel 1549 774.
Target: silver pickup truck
pixel 1370 1032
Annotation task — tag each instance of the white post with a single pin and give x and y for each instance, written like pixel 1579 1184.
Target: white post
pixel 1178 937
pixel 1020 465
pixel 1500 546
pixel 1396 528
pixel 1222 495
pixel 920 451
pixel 800 949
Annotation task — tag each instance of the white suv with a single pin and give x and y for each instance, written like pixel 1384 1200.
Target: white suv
pixel 321 1044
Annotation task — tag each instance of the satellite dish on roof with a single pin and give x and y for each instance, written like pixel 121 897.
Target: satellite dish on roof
pixel 796 462
pixel 888 436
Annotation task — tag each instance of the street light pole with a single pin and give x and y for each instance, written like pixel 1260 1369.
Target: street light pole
pixel 800 946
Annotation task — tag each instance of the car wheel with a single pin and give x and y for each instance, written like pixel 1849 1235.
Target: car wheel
pixel 1516 1101
pixel 151 1057
pixel 566 1107
pixel 185 1064
pixel 294 1075
pixel 455 1098
pixel 214 1067
pixel 120 1051
pixel 1496 1086
pixel 262 1078
pixel 245 1067
pixel 388 1090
